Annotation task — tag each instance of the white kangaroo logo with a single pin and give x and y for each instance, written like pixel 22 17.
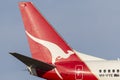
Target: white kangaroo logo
pixel 55 50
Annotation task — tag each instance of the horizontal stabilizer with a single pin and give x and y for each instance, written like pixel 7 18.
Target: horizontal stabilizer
pixel 33 62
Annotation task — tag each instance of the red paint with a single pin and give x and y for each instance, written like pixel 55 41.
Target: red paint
pixel 37 26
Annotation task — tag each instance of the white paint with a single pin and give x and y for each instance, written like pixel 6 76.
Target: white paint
pixel 86 57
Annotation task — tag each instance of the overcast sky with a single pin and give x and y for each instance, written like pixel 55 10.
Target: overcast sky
pixel 89 26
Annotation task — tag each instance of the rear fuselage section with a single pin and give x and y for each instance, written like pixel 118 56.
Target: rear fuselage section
pixel 76 70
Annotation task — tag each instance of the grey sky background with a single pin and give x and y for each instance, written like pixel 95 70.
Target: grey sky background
pixel 89 26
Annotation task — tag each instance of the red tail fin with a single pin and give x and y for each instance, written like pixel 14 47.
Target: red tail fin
pixel 38 29
pixel 48 46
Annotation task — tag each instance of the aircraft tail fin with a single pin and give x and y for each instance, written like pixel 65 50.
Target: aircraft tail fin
pixel 47 47
pixel 45 43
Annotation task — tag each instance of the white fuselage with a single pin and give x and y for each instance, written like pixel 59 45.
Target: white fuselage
pixel 105 70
